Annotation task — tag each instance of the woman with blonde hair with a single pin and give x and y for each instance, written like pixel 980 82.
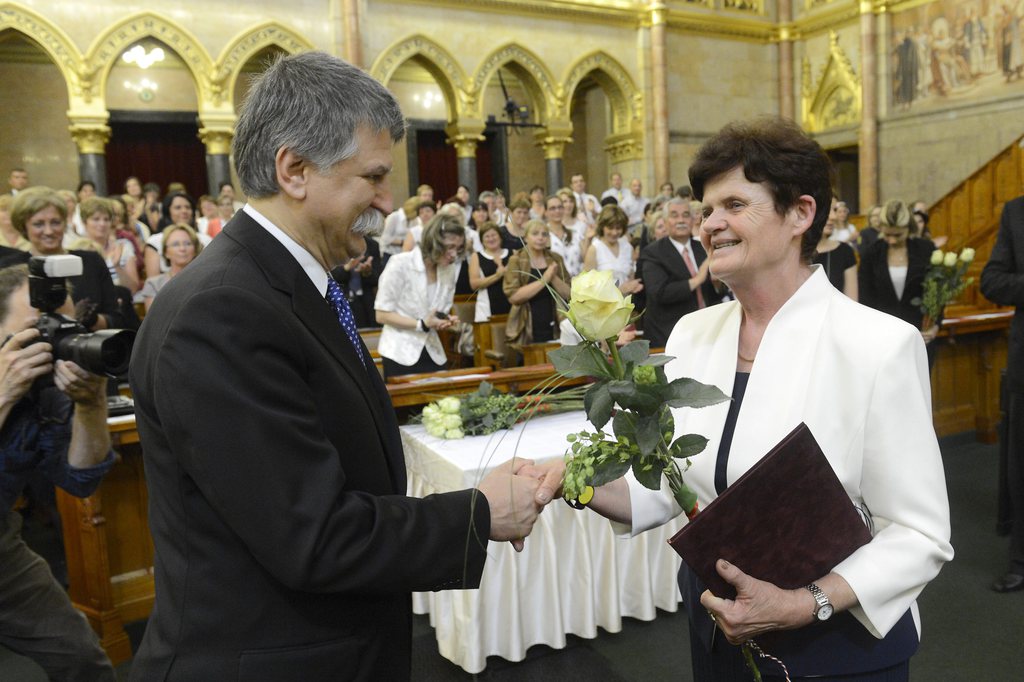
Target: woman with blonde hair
pixel 180 246
pixel 100 236
pixel 533 317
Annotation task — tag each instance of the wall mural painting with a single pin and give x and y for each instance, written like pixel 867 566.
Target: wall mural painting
pixel 956 50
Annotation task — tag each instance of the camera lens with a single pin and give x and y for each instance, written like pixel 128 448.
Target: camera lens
pixel 104 352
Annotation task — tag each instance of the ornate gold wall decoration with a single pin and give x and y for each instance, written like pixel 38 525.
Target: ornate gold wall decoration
pixel 52 40
pixel 626 101
pixel 107 48
pixel 236 53
pixel 438 61
pixel 835 100
pixel 626 147
pixel 547 96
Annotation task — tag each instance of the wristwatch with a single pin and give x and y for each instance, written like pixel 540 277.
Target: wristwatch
pixel 824 609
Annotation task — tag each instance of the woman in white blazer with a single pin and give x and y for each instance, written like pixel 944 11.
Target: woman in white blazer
pixel 791 349
pixel 414 294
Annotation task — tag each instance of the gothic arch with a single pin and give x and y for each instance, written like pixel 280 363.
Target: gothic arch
pixel 438 61
pixel 105 50
pixel 53 41
pixel 835 100
pixel 235 54
pixel 626 101
pixel 532 72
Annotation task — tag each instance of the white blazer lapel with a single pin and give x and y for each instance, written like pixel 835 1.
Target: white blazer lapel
pixel 776 398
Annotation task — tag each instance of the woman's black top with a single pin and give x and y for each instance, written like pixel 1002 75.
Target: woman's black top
pixel 495 292
pixel 542 312
pixel 836 262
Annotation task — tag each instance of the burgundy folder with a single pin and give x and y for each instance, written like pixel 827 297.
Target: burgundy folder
pixel 787 521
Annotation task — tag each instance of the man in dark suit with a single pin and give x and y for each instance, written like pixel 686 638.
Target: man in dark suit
pixel 285 546
pixel 1002 281
pixel 358 279
pixel 674 270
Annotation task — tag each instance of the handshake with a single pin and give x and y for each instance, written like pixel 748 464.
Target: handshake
pixel 517 491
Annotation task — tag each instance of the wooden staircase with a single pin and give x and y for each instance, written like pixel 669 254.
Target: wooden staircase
pixel 973 343
pixel 969 216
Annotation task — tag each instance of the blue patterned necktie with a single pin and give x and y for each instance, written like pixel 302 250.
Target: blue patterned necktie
pixel 336 297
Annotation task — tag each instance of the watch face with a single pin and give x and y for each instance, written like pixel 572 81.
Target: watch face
pixel 825 612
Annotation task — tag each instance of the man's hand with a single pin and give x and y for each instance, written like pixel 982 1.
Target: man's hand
pixel 550 475
pixel 22 361
pixel 511 499
pixel 84 388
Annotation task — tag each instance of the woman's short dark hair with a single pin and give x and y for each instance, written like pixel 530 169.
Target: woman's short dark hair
pixel 165 221
pixel 611 216
pixel 775 152
pixel 488 226
pixel 432 240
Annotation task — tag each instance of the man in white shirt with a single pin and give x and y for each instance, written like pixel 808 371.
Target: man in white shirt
pixel 633 202
pixel 587 205
pixel 616 189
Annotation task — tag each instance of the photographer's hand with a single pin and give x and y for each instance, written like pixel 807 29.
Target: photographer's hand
pixel 90 439
pixel 85 313
pixel 22 360
pixel 84 388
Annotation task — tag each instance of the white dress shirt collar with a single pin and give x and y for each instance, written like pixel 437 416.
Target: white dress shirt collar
pixel 310 265
pixel 682 246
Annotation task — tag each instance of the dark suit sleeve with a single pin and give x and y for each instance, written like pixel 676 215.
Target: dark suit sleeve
pixel 663 285
pixel 1002 281
pixel 237 408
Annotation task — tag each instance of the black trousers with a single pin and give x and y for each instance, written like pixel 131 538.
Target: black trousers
pixel 1015 479
pixel 424 364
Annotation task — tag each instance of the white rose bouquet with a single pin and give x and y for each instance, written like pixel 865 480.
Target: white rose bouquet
pixel 630 390
pixel 945 280
pixel 487 410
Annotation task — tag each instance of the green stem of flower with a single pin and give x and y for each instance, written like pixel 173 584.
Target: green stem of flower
pixel 748 656
pixel 620 369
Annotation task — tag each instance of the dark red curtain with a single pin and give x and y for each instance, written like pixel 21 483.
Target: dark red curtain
pixel 156 152
pixel 436 163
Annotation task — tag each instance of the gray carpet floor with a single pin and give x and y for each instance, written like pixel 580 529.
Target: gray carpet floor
pixel 970 633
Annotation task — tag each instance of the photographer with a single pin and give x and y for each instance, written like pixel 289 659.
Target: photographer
pixel 59 431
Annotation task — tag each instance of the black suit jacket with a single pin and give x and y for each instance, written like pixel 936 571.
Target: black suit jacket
pixel 285 545
pixel 874 284
pixel 667 286
pixel 1002 282
pixel 362 304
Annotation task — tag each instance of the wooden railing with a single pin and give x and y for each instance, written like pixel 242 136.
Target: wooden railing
pixel 969 216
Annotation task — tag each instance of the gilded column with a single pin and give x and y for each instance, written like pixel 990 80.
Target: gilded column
pixel 218 156
pixel 868 161
pixel 659 92
pixel 554 153
pixel 353 41
pixel 91 139
pixel 465 136
pixel 786 107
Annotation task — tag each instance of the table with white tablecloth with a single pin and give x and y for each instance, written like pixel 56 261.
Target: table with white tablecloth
pixel 574 574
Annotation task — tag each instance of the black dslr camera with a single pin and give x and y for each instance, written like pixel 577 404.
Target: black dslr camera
pixel 104 352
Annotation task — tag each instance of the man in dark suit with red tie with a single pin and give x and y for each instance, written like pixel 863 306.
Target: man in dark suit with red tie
pixel 1002 281
pixel 674 271
pixel 286 547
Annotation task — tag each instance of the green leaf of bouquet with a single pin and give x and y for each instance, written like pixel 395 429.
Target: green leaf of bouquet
pixel 598 404
pixel 644 399
pixel 686 392
pixel 657 360
pixel 577 361
pixel 624 425
pixel 688 445
pixel 685 497
pixel 485 389
pixel 635 352
pixel 648 472
pixel 648 434
pixel 608 470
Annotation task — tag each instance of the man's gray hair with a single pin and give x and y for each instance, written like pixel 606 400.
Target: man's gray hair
pixel 674 200
pixel 311 103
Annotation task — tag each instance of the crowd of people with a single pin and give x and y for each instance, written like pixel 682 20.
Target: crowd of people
pixel 518 257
